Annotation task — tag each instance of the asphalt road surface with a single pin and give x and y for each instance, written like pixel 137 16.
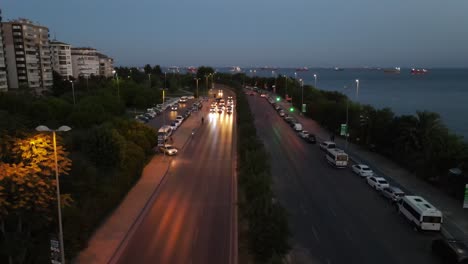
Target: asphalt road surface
pixel 335 217
pixel 190 219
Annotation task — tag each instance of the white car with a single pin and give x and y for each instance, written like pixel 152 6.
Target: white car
pixel 362 170
pixel 180 118
pixel 393 193
pixel 282 113
pixel 304 134
pixel 178 122
pixel 168 150
pixel 174 126
pixel 377 183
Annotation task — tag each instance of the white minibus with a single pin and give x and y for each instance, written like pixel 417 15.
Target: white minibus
pixel 420 213
pixel 337 157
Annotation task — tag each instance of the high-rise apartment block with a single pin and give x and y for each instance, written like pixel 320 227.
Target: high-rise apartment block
pixel 28 57
pixel 61 58
pixel 3 73
pixel 85 62
pixel 105 65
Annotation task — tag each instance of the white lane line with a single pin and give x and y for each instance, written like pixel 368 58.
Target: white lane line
pixel 315 233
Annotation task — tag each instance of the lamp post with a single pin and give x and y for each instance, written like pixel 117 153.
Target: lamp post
pixel 149 78
pixel 60 129
pixel 295 75
pixel 118 86
pixel 357 89
pixel 315 80
pixel 73 92
pixel 197 79
pixel 302 94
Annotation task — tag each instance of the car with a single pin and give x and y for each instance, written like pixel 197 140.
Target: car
pixel 393 193
pixel 450 250
pixel 180 118
pixel 277 107
pixel 362 170
pixel 304 134
pixel 229 111
pixel 252 94
pixel 174 126
pixel 325 145
pixel 174 108
pixel 168 150
pixel 281 113
pixel 377 183
pixel 297 127
pixel 190 97
pixel 213 110
pixel 262 95
pixel 178 122
pixel 187 114
pixel 311 139
pixel 229 97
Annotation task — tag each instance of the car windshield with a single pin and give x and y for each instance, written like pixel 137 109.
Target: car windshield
pixel 382 181
pixel 365 168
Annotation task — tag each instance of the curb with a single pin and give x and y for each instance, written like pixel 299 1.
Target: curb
pixel 122 245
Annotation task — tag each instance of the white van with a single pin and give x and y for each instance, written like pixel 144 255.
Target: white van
pixel 326 145
pixel 163 134
pixel 337 158
pixel 298 127
pixel 420 213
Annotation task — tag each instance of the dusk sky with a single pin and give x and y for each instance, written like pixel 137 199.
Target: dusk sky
pixel 326 33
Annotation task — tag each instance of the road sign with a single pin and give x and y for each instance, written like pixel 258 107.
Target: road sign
pixel 465 201
pixel 303 108
pixel 54 251
pixel 343 130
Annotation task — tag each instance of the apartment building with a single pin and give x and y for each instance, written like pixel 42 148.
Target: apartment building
pixel 85 62
pixel 3 73
pixel 61 58
pixel 28 58
pixel 105 65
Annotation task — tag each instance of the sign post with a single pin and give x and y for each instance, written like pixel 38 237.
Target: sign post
pixel 344 130
pixel 54 251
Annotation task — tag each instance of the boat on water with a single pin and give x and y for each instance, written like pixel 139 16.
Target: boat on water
pixel 396 70
pixel 338 69
pixel 302 69
pixel 235 69
pixel 419 71
pixel 268 68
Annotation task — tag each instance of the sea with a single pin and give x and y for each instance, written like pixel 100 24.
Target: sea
pixel 444 91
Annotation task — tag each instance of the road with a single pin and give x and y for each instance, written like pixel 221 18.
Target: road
pixel 190 219
pixel 335 217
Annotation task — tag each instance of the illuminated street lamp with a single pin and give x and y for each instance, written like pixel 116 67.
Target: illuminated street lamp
pixel 357 89
pixel 116 76
pixel 60 129
pixel 315 80
pixel 73 91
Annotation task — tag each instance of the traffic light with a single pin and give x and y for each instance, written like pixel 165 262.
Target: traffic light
pixel 291 109
pixel 278 99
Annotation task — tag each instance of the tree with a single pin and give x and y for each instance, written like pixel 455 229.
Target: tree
pixel 156 70
pixel 27 193
pixel 204 71
pixel 147 69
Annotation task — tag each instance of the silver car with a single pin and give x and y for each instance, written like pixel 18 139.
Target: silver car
pixel 393 193
pixel 377 183
pixel 362 170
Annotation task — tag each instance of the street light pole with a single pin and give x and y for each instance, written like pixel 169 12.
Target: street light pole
pixel 116 76
pixel 357 89
pixel 315 80
pixel 196 79
pixel 149 78
pixel 302 94
pixel 73 92
pixel 59 206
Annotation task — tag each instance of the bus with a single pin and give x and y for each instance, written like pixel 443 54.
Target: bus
pixel 337 158
pixel 420 213
pixel 163 134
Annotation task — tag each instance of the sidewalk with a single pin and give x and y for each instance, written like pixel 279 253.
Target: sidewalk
pixel 108 238
pixel 455 217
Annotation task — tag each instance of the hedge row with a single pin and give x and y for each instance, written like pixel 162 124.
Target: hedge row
pixel 268 230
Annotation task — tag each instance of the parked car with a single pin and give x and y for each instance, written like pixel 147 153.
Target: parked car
pixel 174 126
pixel 282 113
pixel 174 108
pixel 277 107
pixel 450 250
pixel 377 183
pixel 187 114
pixel 393 193
pixel 178 122
pixel 297 127
pixel 362 170
pixel 311 139
pixel 180 118
pixel 304 134
pixel 325 145
pixel 168 150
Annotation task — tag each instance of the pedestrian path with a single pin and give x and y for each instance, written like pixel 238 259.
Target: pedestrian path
pixel 455 217
pixel 109 238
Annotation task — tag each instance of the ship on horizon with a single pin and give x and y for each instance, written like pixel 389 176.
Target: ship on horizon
pixel 419 71
pixel 235 69
pixel 394 70
pixel 338 69
pixel 302 69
